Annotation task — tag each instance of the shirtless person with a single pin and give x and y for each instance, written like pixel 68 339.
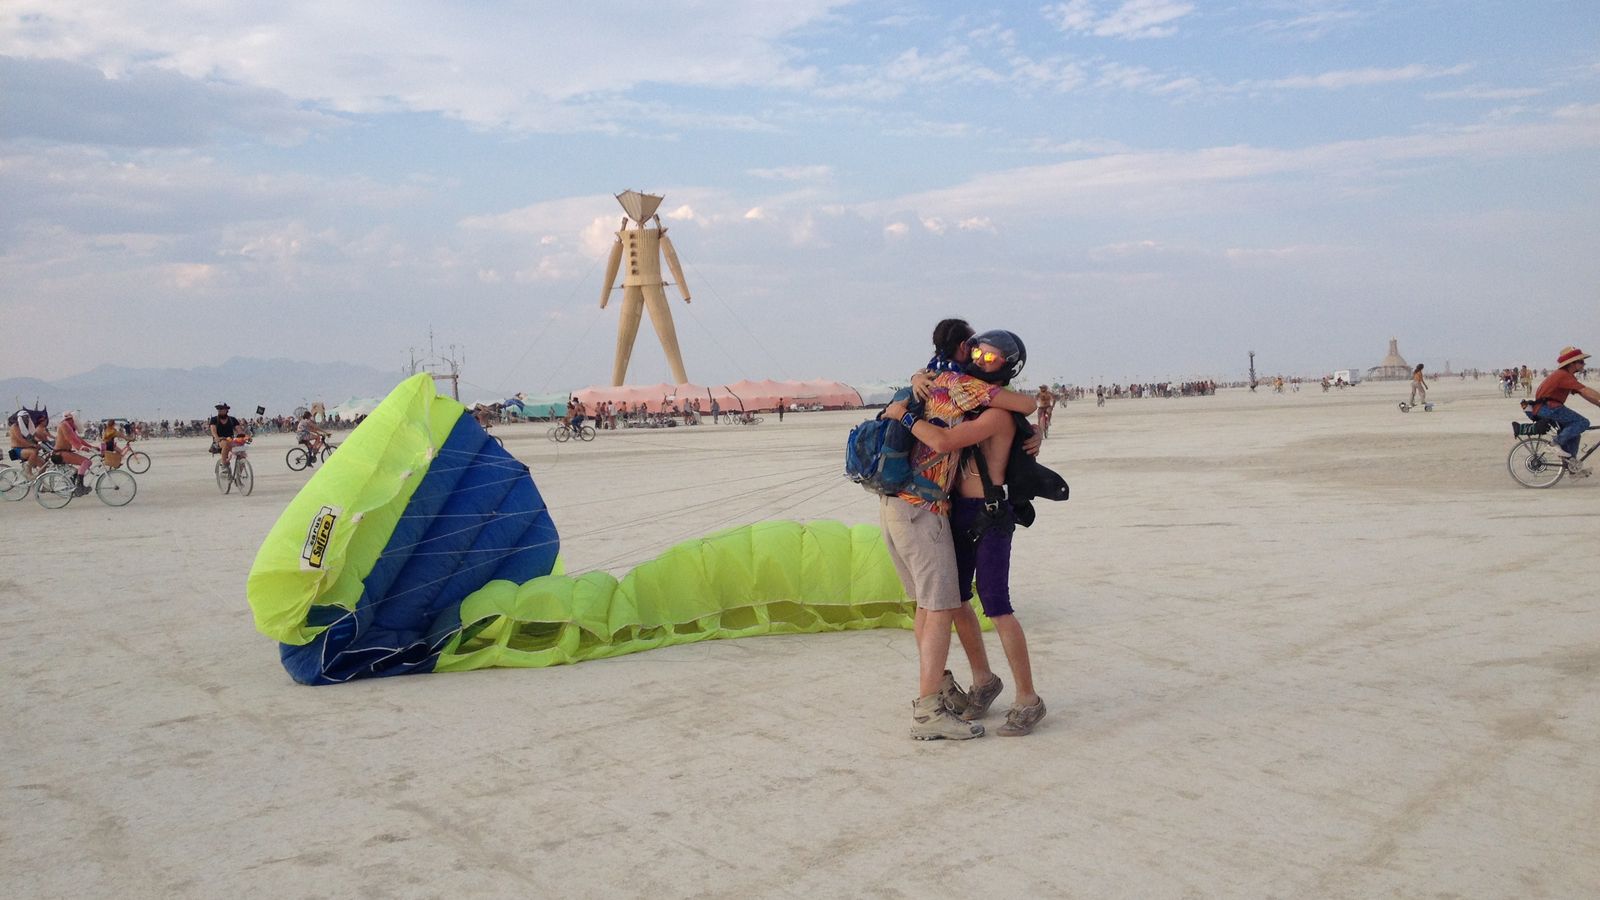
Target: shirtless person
pixel 1047 406
pixel 68 441
pixel 30 436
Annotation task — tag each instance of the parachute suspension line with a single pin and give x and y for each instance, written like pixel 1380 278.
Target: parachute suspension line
pixel 709 286
pixel 716 343
pixel 648 550
pixel 420 587
pixel 571 348
pixel 784 507
pixel 529 349
pixel 390 551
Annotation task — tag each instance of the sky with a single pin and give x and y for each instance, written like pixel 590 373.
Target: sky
pixel 1141 189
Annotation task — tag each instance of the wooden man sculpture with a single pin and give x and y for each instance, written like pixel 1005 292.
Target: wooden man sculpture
pixel 642 287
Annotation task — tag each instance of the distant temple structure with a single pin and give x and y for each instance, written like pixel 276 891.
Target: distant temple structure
pixel 1393 366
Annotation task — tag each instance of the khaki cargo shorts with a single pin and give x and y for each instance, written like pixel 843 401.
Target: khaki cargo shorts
pixel 923 552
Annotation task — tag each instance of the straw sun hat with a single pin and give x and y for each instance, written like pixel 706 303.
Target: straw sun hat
pixel 1570 355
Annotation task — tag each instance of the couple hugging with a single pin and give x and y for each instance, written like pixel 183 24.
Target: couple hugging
pixel 953 525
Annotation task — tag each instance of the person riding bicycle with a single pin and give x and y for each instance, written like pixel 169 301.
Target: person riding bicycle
pixel 1550 404
pixel 224 427
pixel 68 442
pixel 311 437
pixel 30 438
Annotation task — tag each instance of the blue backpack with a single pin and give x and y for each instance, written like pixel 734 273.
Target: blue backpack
pixel 877 456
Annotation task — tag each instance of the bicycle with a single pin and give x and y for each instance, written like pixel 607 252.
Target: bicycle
pixel 561 432
pixel 135 461
pixel 299 456
pixel 1533 460
pixel 740 418
pixel 52 485
pixel 237 474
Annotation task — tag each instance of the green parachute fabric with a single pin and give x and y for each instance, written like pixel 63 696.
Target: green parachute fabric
pixel 423 546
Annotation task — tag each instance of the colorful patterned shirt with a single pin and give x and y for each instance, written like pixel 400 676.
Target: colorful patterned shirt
pixel 954 395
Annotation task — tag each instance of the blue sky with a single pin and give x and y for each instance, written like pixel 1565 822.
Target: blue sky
pixel 1141 188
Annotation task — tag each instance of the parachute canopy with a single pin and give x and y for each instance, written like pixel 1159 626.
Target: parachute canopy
pixel 423 546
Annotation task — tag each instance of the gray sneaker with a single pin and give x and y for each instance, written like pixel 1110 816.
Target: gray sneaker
pixel 1021 719
pixel 955 699
pixel 931 720
pixel 981 697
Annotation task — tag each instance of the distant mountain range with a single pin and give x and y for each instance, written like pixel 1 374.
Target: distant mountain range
pixel 280 385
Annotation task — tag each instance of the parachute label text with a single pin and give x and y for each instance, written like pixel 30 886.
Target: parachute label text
pixel 317 537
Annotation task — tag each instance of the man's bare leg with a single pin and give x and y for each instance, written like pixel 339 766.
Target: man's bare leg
pixel 933 650
pixel 970 633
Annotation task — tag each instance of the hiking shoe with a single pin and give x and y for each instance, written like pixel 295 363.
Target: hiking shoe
pixel 931 720
pixel 980 698
pixel 955 699
pixel 1021 719
pixel 1562 454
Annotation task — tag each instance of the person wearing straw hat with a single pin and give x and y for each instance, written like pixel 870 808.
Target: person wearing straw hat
pixel 1550 404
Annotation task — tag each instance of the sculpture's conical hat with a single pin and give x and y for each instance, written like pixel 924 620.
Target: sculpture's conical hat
pixel 640 207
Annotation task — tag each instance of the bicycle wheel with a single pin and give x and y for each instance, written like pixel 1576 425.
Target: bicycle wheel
pixel 138 462
pixel 327 451
pixel 296 458
pixel 497 441
pixel 245 476
pixel 14 485
pixel 586 433
pixel 54 489
pixel 115 487
pixel 563 434
pixel 224 478
pixel 1534 463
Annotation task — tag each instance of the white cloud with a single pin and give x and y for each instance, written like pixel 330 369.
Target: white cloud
pixel 1313 23
pixel 897 229
pixel 1363 77
pixel 1127 180
pixel 1130 20
pixel 489 65
pixel 1482 92
pixel 793 173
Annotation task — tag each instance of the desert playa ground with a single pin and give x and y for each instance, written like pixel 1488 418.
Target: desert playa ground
pixel 1296 645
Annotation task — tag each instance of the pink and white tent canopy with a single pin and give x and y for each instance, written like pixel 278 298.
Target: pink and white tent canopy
pixel 750 395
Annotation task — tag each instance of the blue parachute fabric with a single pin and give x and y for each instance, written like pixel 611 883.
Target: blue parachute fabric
pixel 475 517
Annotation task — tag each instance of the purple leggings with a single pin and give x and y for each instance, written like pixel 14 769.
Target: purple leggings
pixel 988 557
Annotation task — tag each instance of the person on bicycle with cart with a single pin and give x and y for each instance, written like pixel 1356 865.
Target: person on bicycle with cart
pixel 311 437
pixel 224 428
pixel 1550 404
